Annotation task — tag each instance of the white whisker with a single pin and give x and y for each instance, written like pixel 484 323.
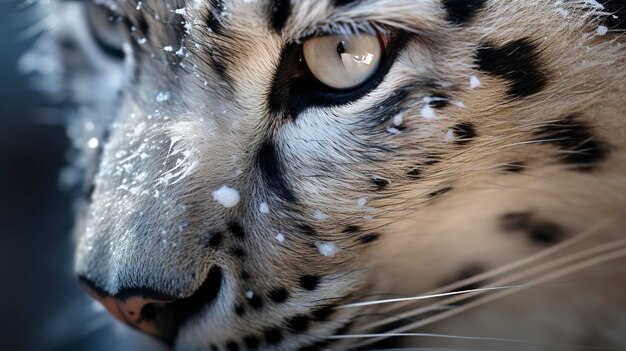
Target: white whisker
pixel 432 335
pixel 570 268
pixel 522 275
pixel 522 262
pixel 425 297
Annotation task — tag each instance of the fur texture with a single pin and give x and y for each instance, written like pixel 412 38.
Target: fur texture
pixel 495 137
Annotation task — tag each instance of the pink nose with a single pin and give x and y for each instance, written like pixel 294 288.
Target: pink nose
pixel 136 311
pixel 153 312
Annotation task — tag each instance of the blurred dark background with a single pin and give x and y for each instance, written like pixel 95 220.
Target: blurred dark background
pixel 35 220
pixel 41 304
pixel 39 297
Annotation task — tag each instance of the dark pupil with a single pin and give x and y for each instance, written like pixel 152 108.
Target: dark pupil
pixel 340 48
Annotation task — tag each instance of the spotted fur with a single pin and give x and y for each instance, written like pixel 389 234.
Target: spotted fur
pixel 493 130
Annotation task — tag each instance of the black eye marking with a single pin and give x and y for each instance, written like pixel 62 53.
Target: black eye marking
pixel 273 336
pixel 307 230
pixel 298 324
pixel 617 18
pixel 255 302
pixel 514 167
pixel 279 12
pixel 278 295
pixel 518 62
pixel 237 230
pixel 309 282
pixel 323 313
pixel 464 132
pixel 462 11
pixel 272 171
pixel 366 239
pixel 538 230
pixel 292 92
pixel 214 347
pixel 216 240
pixel 351 229
pixel 438 193
pixel 380 183
pixel 251 341
pixel 579 145
pixel 232 346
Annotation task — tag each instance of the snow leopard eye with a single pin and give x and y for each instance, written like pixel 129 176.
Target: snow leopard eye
pixel 343 62
pixel 107 29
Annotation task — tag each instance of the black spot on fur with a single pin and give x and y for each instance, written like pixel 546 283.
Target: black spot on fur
pixel 213 18
pixel 279 12
pixel 272 173
pixel 366 239
pixel 380 183
pixel 518 62
pixel 439 192
pixel 431 160
pixel 339 3
pixel 320 345
pixel 617 18
pixel 239 310
pixel 245 275
pixel 464 133
pixel 323 313
pixel 255 302
pixel 232 346
pixel 214 347
pixel 578 145
pixel 467 272
pixel 216 240
pixel 351 229
pixel 278 295
pixel 237 230
pixel 309 282
pixel 87 195
pixel 239 252
pixel 415 173
pixel 298 324
pixel 538 230
pixel 252 342
pixel 462 11
pixel 545 232
pixel 439 101
pixel 142 25
pixel 273 336
pixel 344 329
pixel 307 230
pixel 514 167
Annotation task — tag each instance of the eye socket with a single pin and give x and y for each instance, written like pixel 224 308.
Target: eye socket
pixel 107 29
pixel 343 62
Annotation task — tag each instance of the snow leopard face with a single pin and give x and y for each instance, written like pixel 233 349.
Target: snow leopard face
pixel 254 170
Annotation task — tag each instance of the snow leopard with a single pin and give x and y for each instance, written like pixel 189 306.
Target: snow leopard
pixel 347 174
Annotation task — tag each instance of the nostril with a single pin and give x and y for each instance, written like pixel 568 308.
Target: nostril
pixel 154 313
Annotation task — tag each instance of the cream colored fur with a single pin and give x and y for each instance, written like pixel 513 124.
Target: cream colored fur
pixel 162 161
